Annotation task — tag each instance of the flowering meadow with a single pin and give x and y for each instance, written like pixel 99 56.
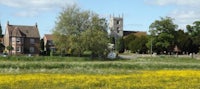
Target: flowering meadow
pixel 161 79
pixel 80 73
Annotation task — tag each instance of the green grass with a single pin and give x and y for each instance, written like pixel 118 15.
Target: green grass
pixel 84 65
pixel 82 72
pixel 43 58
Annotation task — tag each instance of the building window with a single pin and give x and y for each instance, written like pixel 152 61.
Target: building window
pixel 13 39
pixel 117 29
pixel 50 43
pixel 32 41
pixel 118 22
pixel 18 49
pixel 31 49
pixel 18 40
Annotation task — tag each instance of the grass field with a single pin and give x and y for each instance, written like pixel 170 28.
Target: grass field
pixel 85 73
pixel 76 65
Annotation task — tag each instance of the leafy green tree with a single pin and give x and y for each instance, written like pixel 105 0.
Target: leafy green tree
pixel 9 48
pixel 42 46
pixel 127 40
pixel 183 41
pixel 120 45
pixel 195 29
pixel 163 34
pixel 139 44
pixel 194 32
pixel 1 31
pixel 95 38
pixel 67 33
pixel 78 31
pixel 96 44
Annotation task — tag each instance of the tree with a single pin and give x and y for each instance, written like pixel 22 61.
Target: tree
pixel 2 47
pixel 78 31
pixel 0 31
pixel 120 45
pixel 71 22
pixel 163 34
pixel 9 48
pixel 194 32
pixel 127 40
pixel 96 44
pixel 42 46
pixel 139 44
pixel 95 38
pixel 182 41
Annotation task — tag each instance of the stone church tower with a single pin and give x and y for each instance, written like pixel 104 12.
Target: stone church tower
pixel 116 27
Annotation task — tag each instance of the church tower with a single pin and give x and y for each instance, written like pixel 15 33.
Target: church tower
pixel 116 27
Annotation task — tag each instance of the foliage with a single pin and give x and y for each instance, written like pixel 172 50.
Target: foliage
pixel 128 39
pixel 163 33
pixel 139 44
pixel 1 35
pixel 77 31
pixel 165 37
pixel 95 38
pixel 194 32
pixel 68 28
pixel 120 45
pixel 2 47
pixel 183 41
pixel 42 47
pixel 136 43
pixel 9 48
pixel 42 44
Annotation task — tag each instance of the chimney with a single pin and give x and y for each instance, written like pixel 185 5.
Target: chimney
pixel 7 23
pixel 0 26
pixel 36 25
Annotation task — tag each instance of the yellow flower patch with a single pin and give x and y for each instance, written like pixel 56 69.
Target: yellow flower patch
pixel 160 79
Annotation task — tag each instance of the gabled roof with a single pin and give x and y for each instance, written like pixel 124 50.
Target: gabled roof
pixel 23 31
pixel 125 33
pixel 136 33
pixel 48 36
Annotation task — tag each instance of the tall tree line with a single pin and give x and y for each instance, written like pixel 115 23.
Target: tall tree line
pixel 165 37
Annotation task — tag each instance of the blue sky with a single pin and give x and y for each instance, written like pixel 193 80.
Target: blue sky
pixel 138 14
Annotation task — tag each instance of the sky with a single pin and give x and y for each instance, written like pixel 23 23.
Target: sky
pixel 137 14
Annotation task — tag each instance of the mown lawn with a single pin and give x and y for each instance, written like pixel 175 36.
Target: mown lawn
pixel 86 73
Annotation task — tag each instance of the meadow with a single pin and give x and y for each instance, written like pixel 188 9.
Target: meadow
pixel 86 73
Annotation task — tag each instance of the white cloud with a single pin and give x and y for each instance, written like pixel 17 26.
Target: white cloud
pixel 26 14
pixel 32 7
pixel 174 2
pixel 186 11
pixel 185 17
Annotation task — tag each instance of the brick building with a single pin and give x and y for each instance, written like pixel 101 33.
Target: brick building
pixel 24 39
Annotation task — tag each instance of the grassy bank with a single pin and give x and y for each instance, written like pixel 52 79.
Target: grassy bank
pixel 81 65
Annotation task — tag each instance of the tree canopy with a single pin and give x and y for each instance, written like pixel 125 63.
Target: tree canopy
pixel 193 32
pixel 164 37
pixel 77 31
pixel 163 34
